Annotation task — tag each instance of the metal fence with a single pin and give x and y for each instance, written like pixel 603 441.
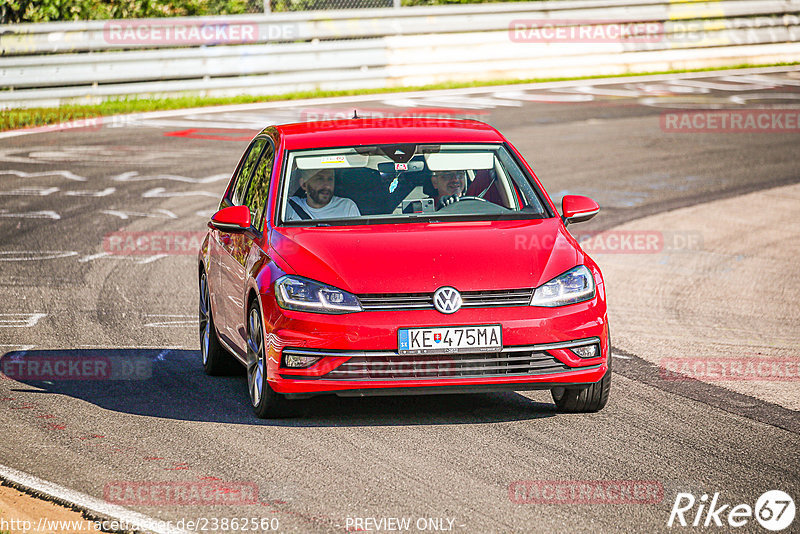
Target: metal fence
pixel 86 62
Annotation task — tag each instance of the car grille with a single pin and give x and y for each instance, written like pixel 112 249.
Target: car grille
pixel 511 361
pixel 424 301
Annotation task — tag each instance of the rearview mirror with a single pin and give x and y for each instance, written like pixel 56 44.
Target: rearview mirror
pixel 388 167
pixel 231 219
pixel 576 208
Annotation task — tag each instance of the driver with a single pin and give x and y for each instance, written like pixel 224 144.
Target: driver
pixel 319 203
pixel 449 185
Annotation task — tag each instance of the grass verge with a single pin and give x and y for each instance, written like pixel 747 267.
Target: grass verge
pixel 12 119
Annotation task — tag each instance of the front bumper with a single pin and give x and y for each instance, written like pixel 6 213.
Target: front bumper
pixel 360 358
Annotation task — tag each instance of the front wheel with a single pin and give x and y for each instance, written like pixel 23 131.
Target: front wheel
pixel 582 400
pixel 265 401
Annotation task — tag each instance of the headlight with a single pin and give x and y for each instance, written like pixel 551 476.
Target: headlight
pixel 575 285
pixel 302 294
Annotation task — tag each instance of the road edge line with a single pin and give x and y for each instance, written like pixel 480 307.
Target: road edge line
pixel 92 508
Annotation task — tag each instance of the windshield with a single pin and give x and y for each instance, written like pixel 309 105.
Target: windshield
pixel 401 183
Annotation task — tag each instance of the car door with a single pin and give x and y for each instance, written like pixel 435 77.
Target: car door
pixel 252 245
pixel 231 274
pixel 218 241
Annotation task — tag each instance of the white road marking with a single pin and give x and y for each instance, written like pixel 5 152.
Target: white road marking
pixel 93 257
pixel 20 320
pixel 601 91
pixel 544 97
pixel 130 347
pixel 104 193
pixel 732 84
pixel 620 356
pixel 64 174
pixel 160 192
pixel 455 101
pixel 744 99
pixel 151 259
pixel 767 81
pixel 125 215
pixel 166 320
pixel 135 259
pixel 31 215
pixel 243 123
pixel 98 154
pixel 134 176
pixel 669 88
pixel 134 520
pixel 26 255
pixel 31 191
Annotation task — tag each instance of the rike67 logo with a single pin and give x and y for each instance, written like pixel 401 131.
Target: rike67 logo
pixel 774 510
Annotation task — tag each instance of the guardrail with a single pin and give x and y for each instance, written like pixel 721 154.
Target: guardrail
pixel 55 63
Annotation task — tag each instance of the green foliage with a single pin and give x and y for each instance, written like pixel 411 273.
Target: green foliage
pixel 313 5
pixel 443 2
pixel 15 11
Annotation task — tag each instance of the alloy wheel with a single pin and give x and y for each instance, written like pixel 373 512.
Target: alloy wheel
pixel 256 367
pixel 205 320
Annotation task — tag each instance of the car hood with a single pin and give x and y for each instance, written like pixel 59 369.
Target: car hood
pixel 421 257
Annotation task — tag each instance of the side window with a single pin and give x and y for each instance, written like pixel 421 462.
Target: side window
pixel 244 173
pixel 256 197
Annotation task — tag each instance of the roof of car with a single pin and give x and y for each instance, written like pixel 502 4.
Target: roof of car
pixel 386 130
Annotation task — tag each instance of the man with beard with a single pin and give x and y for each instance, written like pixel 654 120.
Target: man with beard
pixel 319 202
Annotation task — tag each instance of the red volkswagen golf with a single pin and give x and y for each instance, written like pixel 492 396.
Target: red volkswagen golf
pixel 372 257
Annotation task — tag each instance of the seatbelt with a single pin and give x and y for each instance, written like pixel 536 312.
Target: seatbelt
pixel 298 209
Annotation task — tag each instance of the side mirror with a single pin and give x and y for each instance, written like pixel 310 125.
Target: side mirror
pixel 575 208
pixel 231 219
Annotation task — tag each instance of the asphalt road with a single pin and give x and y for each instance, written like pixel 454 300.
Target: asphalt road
pixel 450 462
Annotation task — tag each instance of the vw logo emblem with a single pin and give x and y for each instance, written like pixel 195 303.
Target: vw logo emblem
pixel 447 300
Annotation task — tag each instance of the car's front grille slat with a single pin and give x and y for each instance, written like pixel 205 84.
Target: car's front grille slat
pixel 381 307
pixel 513 361
pixel 424 301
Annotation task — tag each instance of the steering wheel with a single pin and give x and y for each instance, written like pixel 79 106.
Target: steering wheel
pixel 460 199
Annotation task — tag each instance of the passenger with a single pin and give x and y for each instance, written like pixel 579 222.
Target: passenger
pixel 449 185
pixel 319 202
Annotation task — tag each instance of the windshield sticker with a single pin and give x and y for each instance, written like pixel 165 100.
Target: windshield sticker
pixel 326 162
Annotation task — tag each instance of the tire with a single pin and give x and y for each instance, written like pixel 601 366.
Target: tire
pixel 585 400
pixel 216 360
pixel 265 401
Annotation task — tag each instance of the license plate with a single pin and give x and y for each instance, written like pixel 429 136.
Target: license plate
pixel 450 339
